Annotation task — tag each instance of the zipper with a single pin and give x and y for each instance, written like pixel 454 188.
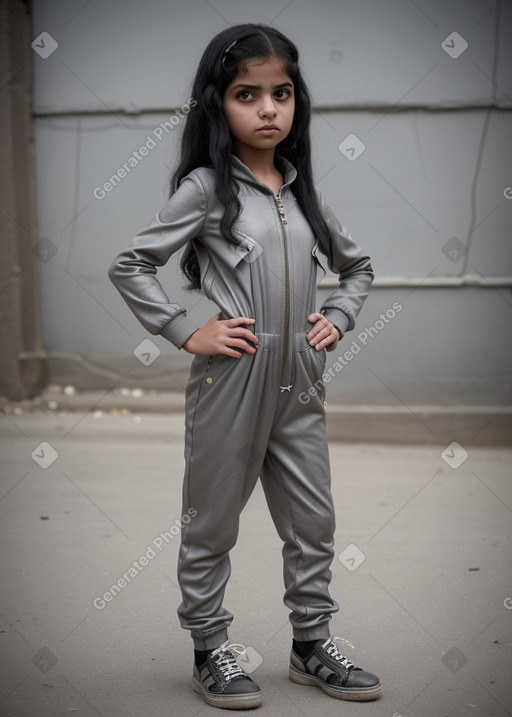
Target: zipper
pixel 286 317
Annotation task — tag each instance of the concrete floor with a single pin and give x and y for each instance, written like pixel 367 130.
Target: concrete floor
pixel 423 575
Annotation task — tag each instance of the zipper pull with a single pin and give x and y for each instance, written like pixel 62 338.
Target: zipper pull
pixel 280 208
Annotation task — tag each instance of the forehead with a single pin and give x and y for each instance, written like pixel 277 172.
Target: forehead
pixel 261 68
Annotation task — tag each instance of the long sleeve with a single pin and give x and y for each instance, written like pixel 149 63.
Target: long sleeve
pixel 133 272
pixel 354 271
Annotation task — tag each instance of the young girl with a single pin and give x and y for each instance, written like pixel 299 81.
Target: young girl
pixel 244 208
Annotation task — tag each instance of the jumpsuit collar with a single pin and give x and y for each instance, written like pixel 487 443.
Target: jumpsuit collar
pixel 242 172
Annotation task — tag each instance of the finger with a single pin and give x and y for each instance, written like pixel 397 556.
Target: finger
pixel 243 334
pixel 231 352
pixel 235 328
pixel 330 340
pixel 239 321
pixel 318 332
pixel 238 343
pixel 246 346
pixel 312 318
pixel 317 328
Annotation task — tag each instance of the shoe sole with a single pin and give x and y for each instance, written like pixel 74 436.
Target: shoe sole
pixel 231 702
pixel 356 694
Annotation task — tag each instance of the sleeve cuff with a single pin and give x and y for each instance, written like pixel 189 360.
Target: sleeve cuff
pixel 338 319
pixel 340 332
pixel 178 330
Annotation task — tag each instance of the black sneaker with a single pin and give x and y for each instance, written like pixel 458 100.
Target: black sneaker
pixel 221 682
pixel 327 668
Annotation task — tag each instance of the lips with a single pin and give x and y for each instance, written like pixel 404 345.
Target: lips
pixel 267 127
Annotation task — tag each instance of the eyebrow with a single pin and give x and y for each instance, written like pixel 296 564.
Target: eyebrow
pixel 258 87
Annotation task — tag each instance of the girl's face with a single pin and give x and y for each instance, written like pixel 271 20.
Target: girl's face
pixel 259 105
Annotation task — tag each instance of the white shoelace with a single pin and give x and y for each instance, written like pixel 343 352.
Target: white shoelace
pixel 332 650
pixel 226 662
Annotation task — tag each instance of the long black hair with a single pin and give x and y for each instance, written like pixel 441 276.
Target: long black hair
pixel 206 140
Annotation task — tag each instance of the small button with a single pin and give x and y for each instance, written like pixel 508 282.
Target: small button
pixel 209 379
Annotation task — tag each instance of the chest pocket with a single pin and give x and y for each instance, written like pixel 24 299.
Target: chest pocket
pixel 248 249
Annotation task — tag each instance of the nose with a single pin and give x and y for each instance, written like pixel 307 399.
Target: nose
pixel 267 107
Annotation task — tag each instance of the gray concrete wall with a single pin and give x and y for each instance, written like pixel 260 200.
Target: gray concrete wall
pixel 21 356
pixel 429 198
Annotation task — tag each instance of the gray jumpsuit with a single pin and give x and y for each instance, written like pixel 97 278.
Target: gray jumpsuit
pixel 244 419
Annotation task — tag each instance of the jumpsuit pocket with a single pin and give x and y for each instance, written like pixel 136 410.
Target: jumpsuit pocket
pixel 218 365
pixel 313 363
pixel 202 379
pixel 208 377
pixel 305 348
pixel 320 356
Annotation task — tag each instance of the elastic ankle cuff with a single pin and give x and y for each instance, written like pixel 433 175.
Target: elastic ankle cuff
pixel 318 633
pixel 210 642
